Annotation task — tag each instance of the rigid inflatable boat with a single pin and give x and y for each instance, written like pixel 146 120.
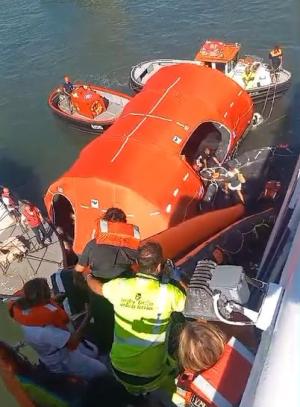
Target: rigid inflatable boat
pixel 224 57
pixel 144 162
pixel 90 106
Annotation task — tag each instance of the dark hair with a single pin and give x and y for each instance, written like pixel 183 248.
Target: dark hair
pixel 150 255
pixel 115 215
pixel 36 292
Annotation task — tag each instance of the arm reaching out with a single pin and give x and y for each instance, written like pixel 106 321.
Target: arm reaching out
pixel 94 284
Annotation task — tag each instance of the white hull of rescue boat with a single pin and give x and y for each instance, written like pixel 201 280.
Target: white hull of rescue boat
pixel 143 71
pixel 263 88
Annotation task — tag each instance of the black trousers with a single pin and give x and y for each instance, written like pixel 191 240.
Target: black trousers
pixel 38 231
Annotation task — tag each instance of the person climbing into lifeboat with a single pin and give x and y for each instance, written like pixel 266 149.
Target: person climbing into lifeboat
pixel 210 363
pixel 45 328
pixel 111 253
pixel 113 249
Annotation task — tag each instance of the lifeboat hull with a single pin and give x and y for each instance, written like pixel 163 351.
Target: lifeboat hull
pixel 115 102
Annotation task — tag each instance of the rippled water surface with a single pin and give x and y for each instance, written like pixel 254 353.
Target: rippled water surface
pixel 98 41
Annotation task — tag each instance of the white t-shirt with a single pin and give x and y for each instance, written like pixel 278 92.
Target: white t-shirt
pixel 50 344
pixel 7 202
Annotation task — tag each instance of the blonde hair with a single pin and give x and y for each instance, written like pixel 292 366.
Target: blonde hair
pixel 201 345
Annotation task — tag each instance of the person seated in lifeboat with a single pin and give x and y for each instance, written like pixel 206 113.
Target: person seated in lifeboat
pixel 45 327
pixel 207 158
pixel 215 370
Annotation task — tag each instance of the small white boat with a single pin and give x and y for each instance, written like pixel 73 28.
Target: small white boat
pixel 224 57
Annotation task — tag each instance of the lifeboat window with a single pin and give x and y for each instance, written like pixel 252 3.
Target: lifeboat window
pixel 208 135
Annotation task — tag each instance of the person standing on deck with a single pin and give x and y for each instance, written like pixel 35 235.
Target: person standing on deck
pixel 11 203
pixel 248 76
pixel 275 58
pixel 143 305
pixel 32 217
pixel 68 85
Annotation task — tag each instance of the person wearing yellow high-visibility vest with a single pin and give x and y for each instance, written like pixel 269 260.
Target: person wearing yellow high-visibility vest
pixel 143 305
pixel 248 76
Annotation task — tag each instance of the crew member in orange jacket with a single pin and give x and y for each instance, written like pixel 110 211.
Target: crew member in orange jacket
pixel 114 248
pixel 110 254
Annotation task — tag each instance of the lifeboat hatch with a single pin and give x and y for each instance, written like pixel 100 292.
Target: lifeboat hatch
pixel 210 135
pixel 63 217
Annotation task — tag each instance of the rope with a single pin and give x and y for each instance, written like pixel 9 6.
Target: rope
pixel 243 236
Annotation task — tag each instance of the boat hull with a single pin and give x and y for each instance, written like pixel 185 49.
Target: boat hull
pixel 259 95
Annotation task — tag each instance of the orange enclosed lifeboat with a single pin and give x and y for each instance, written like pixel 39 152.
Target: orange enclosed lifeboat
pixel 87 102
pixel 143 163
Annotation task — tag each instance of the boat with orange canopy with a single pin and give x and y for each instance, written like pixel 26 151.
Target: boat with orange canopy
pixel 143 163
pixel 262 84
pixel 91 106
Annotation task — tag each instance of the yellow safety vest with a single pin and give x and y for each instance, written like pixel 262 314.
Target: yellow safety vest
pixel 143 307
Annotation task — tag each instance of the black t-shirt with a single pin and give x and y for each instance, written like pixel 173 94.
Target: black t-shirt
pixel 107 261
pixel 68 87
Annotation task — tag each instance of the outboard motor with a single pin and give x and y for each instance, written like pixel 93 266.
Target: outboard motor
pixel 220 293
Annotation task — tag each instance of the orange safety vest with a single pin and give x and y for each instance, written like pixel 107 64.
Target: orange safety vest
pixel 33 218
pixel 40 315
pixel 223 384
pixel 117 234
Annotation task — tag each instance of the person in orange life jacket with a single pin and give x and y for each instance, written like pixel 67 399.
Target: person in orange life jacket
pixel 110 254
pixel 44 325
pixel 114 248
pixel 32 217
pixel 11 203
pixel 209 361
pixel 143 306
